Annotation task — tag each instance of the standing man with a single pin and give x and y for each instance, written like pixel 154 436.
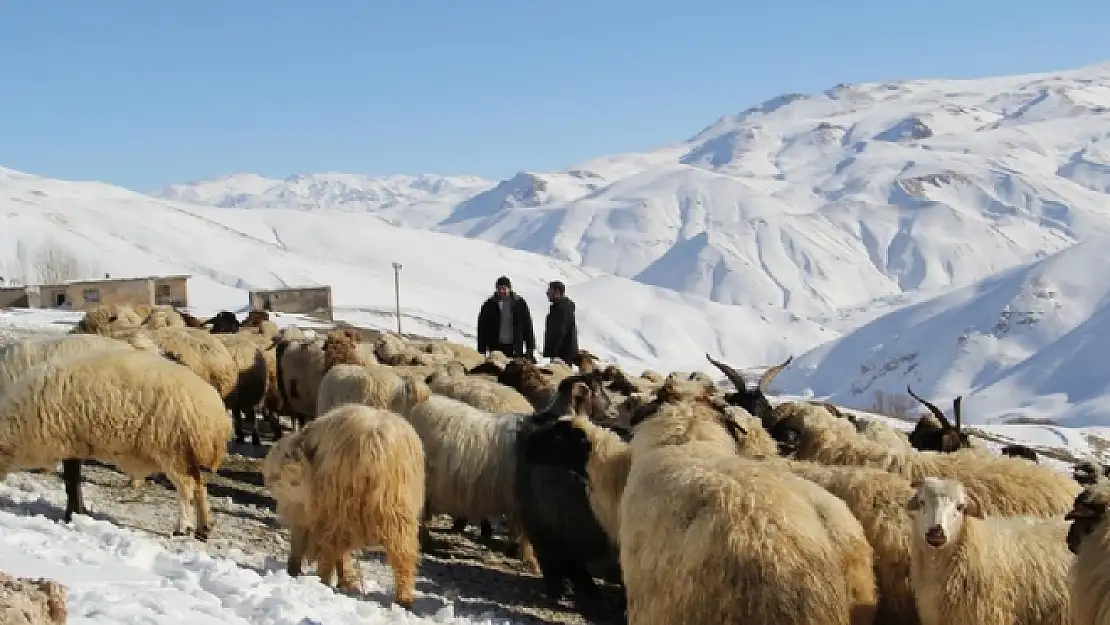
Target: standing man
pixel 505 323
pixel 560 336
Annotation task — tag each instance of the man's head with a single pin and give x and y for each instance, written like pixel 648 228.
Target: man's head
pixel 503 286
pixel 555 290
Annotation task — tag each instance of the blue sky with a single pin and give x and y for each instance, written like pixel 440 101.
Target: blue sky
pixel 142 93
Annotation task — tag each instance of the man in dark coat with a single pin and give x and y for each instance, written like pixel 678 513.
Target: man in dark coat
pixel 505 323
pixel 560 336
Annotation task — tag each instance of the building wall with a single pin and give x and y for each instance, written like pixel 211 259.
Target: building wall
pixel 314 301
pixel 93 293
pixel 15 297
pixel 172 291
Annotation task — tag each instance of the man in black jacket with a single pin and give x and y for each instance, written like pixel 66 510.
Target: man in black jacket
pixel 505 323
pixel 560 336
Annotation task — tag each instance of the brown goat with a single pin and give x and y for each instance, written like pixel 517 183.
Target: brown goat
pixel 935 432
pixel 529 380
pixel 341 348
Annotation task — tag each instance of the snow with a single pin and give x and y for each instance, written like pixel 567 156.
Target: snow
pixel 114 576
pixel 813 202
pixel 444 278
pixel 1028 342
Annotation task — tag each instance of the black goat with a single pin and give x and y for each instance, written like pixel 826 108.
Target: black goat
pixel 754 400
pixel 935 432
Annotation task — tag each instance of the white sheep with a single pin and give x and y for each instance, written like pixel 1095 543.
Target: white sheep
pixel 987 571
pixel 483 394
pixel 471 460
pixel 134 409
pixel 375 386
pixel 1002 485
pixel 351 479
pixel 17 358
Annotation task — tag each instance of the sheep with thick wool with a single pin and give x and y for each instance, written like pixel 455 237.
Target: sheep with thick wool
pixel 350 479
pixel 555 505
pixel 882 433
pixel 1089 539
pixel 17 358
pixel 106 319
pixel 489 396
pixel 1003 485
pixel 989 571
pixel 163 317
pixel 471 460
pixel 376 386
pixel 300 368
pixel 707 537
pixel 134 409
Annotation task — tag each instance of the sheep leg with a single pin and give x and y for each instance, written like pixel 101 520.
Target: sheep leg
pixel 522 546
pixel 350 576
pixel 551 569
pixel 271 417
pixel 237 419
pixel 205 521
pixel 252 421
pixel 459 525
pixel 75 500
pixel 586 591
pixel 486 529
pixel 402 553
pixel 186 494
pixel 297 543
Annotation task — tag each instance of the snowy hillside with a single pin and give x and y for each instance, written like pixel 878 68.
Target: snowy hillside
pixel 814 202
pixel 1028 342
pixel 443 280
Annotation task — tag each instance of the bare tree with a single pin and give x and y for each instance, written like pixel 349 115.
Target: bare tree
pixel 22 268
pixel 898 405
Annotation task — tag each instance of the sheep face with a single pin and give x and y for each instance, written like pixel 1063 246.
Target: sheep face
pixel 1086 513
pixel 938 509
pixel 224 322
pixel 1088 473
pixel 559 443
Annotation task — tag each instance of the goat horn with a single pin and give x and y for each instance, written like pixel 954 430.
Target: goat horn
pixel 932 408
pixel 956 405
pixel 732 375
pixel 768 375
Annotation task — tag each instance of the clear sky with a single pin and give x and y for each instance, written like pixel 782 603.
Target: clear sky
pixel 142 93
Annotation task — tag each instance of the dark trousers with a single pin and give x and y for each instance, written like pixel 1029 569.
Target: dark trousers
pixel 504 348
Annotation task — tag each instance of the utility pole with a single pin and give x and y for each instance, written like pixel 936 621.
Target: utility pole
pixel 397 293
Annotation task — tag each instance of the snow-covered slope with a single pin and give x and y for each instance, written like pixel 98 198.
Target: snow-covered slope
pixel 444 278
pixel 815 202
pixel 1030 342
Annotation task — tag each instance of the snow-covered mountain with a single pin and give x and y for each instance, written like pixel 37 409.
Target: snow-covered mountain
pixel 1027 342
pixel 444 278
pixel 814 202
pixel 423 199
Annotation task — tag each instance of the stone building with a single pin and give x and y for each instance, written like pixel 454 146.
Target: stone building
pixel 86 294
pixel 314 301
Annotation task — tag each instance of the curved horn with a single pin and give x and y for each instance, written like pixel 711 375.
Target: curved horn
pixel 730 373
pixel 932 408
pixel 768 375
pixel 956 405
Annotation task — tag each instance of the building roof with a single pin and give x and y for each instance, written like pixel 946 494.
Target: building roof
pixel 116 279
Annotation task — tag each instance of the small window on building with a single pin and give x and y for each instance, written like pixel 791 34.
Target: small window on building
pixel 91 295
pixel 164 290
pixel 59 299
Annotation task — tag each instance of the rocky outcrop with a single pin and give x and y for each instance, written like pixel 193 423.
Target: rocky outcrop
pixel 31 601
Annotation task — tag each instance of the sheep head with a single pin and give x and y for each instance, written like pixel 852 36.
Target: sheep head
pixel 687 417
pixel 1088 472
pixel 935 432
pixel 1087 512
pixel 563 443
pixel 585 361
pixel 938 509
pixel 489 367
pixel 225 322
pixel 255 318
pixel 1020 451
pixel 340 348
pixel 754 400
pixel 578 396
pixel 413 391
pixel 791 423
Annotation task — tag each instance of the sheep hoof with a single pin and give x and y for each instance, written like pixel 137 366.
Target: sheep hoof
pixel 256 440
pixel 177 533
pixel 405 603
pixel 487 530
pixel 201 534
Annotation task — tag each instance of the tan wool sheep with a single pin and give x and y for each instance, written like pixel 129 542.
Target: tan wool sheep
pixel 1001 485
pixel 489 396
pixel 105 319
pixel 1089 540
pixel 17 358
pixel 134 409
pixel 163 317
pixel 351 479
pixel 376 386
pixel 988 571
pixel 300 368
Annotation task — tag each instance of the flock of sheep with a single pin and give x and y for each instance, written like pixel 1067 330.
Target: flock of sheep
pixel 706 507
